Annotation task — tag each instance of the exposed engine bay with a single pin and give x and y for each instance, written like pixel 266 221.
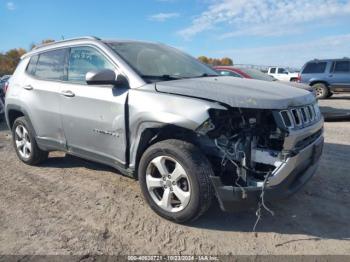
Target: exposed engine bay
pixel 248 145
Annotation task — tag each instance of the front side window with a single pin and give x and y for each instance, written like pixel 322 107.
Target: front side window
pixel 315 68
pixel 257 74
pixel 32 65
pixel 83 60
pixel 342 67
pixel 50 65
pixel 273 70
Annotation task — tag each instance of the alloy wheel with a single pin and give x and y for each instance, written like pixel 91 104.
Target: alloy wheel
pixel 168 184
pixel 23 143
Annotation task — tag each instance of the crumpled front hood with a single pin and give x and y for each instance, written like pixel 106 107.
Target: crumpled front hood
pixel 237 92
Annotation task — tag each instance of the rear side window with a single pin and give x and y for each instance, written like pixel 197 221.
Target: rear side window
pixel 83 60
pixel 32 65
pixel 314 68
pixel 50 65
pixel 342 67
pixel 281 71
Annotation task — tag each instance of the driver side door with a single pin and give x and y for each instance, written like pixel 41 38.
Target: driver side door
pixel 93 116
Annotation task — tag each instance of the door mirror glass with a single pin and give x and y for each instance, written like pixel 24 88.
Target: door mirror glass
pixel 105 77
pixel 101 77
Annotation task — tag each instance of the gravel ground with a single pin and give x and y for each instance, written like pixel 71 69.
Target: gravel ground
pixel 72 206
pixel 336 108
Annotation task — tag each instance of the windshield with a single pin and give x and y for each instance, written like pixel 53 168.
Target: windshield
pixel 256 74
pixel 157 62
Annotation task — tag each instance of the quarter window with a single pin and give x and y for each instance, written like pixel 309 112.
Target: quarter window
pixel 281 71
pixel 342 67
pixel 32 65
pixel 50 65
pixel 83 60
pixel 315 68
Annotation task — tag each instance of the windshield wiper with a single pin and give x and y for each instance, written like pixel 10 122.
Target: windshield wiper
pixel 162 77
pixel 206 75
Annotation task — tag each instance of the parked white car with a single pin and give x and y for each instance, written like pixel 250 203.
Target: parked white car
pixel 282 74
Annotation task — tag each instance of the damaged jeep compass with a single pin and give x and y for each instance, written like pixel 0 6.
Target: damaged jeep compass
pixel 158 115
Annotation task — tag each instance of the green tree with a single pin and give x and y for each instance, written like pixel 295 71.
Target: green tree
pixel 226 61
pixel 203 59
pixel 43 42
pixel 9 60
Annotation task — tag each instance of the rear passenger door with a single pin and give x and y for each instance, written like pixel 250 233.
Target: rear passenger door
pixel 42 90
pixel 282 74
pixel 93 116
pixel 341 76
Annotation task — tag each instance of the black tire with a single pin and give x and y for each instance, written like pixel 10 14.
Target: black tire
pixel 198 170
pixel 329 94
pixel 322 91
pixel 36 155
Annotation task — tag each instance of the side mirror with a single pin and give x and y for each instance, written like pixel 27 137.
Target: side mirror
pixel 105 77
pixel 100 77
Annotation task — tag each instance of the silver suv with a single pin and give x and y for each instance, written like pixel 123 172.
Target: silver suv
pixel 158 115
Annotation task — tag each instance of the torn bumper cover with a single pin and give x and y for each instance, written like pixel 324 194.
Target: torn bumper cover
pixel 285 180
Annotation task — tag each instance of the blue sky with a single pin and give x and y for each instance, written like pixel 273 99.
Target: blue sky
pixel 263 32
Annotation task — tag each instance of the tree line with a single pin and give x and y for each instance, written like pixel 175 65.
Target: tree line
pixel 225 61
pixel 10 59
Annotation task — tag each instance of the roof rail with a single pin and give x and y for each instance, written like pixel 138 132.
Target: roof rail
pixel 67 40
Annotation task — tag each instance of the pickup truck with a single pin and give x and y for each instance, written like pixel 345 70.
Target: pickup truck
pixel 282 74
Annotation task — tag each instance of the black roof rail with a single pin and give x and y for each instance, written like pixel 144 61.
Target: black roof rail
pixel 67 40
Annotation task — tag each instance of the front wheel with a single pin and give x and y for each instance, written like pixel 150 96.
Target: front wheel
pixel 175 180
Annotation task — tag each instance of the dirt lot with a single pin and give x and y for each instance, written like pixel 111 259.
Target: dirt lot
pixel 71 206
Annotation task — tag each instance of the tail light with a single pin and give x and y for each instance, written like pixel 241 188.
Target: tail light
pixel 299 78
pixel 6 86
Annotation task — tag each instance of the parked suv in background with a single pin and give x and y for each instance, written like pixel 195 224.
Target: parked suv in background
pixel 327 76
pixel 159 115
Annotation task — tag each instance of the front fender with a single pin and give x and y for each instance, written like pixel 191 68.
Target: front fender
pixel 153 110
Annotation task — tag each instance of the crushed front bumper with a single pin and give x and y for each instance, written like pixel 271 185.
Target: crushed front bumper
pixel 291 176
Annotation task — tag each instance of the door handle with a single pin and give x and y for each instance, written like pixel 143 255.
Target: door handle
pixel 28 87
pixel 68 93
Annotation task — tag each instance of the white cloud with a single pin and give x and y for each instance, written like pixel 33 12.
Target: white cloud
pixel 264 17
pixel 161 17
pixel 294 55
pixel 10 6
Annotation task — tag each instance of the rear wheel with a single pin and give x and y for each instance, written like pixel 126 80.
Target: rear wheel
pixel 322 90
pixel 24 142
pixel 174 179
